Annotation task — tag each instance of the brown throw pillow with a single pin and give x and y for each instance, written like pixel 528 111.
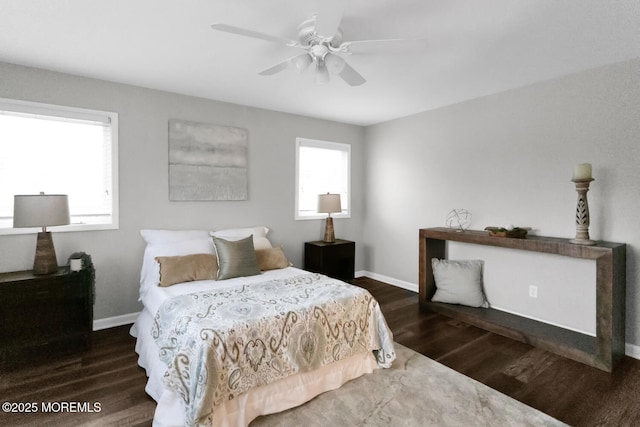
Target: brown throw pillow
pixel 187 268
pixel 272 258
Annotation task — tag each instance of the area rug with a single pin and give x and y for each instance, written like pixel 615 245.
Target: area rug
pixel 416 391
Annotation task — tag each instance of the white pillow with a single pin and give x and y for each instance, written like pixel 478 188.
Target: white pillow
pixel 168 236
pixel 259 233
pixel 458 282
pixel 169 243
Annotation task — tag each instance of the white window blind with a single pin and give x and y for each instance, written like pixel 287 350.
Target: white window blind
pixel 321 167
pixel 59 150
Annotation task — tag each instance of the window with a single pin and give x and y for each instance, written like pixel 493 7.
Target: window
pixel 59 150
pixel 321 167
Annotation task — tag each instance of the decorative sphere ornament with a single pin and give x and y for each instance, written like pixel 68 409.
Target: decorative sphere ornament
pixel 458 219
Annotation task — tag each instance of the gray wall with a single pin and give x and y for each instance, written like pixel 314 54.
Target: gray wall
pixel 144 201
pixel 509 158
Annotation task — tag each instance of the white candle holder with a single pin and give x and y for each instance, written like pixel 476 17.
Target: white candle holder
pixel 582 213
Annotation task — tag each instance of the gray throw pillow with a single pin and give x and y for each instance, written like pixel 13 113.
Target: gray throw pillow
pixel 236 258
pixel 459 282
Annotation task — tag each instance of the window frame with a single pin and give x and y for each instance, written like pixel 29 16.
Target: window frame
pixel 338 146
pixel 80 114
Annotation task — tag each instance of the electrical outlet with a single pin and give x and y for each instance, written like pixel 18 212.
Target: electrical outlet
pixel 533 291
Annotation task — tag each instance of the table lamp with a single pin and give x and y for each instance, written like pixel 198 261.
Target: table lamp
pixel 329 203
pixel 42 210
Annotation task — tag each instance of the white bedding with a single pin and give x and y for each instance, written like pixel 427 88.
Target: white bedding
pixel 275 397
pixel 156 295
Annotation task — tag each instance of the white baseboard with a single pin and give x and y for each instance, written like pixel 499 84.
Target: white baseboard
pixel 537 319
pixel 112 322
pixel 390 280
pixel 630 349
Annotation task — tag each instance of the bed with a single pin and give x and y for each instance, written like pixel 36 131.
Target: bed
pixel 223 343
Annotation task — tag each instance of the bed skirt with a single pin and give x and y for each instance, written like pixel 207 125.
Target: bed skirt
pixel 276 397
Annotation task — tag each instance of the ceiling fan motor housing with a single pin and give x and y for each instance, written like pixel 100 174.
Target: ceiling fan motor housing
pixel 309 37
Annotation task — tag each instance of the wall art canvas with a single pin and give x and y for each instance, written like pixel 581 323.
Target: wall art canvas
pixel 207 162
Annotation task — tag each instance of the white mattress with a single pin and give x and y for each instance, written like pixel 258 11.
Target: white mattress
pixel 275 397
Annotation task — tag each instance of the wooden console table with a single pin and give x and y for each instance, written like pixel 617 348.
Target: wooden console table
pixel 602 351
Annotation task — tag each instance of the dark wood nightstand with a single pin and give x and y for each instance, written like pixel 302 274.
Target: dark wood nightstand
pixel 44 315
pixel 333 259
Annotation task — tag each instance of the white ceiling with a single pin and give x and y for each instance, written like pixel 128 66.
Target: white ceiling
pixel 473 48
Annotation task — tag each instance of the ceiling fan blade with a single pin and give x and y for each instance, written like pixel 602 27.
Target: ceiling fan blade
pixel 253 34
pixel 276 68
pixel 351 76
pixel 298 61
pixel 328 17
pixel 385 45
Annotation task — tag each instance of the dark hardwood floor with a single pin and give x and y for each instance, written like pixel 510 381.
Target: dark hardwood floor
pixel 108 374
pixel 569 391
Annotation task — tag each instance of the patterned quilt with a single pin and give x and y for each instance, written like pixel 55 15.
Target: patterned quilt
pixel 218 344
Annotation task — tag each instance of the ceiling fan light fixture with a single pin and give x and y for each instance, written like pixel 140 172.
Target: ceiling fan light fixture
pixel 302 62
pixel 322 74
pixel 322 39
pixel 335 64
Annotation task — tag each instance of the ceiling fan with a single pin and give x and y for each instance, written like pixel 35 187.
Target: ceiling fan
pixel 321 39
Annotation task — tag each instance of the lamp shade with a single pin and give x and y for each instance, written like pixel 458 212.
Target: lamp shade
pixel 302 62
pixel 329 203
pixel 334 63
pixel 40 210
pixel 322 74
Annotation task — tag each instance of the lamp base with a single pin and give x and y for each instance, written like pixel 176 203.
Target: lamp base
pixel 45 261
pixel 329 235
